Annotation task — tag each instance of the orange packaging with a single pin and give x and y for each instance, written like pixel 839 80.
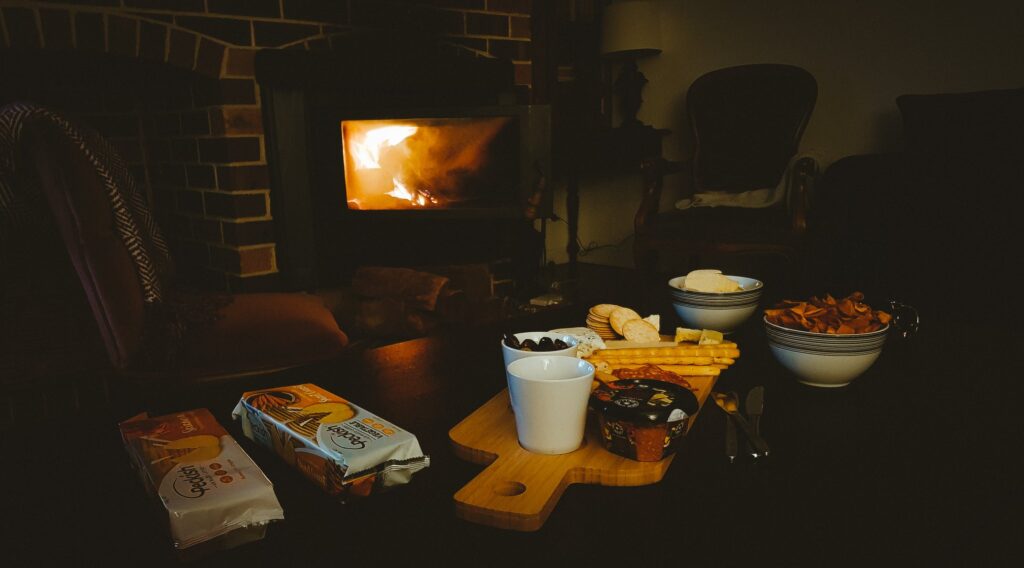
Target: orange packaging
pixel 215 496
pixel 345 449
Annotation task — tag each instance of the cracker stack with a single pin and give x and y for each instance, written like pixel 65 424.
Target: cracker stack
pixel 611 322
pixel 598 320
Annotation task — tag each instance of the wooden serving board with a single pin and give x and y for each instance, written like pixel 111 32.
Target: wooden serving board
pixel 518 489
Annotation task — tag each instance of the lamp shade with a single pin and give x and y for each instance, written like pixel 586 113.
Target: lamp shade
pixel 631 28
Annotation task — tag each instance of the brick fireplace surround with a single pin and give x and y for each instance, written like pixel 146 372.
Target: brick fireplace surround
pixel 194 136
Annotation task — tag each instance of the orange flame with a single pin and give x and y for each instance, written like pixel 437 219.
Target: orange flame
pixel 366 151
pixel 425 160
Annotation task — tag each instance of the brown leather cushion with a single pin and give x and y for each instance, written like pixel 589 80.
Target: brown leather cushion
pixel 264 331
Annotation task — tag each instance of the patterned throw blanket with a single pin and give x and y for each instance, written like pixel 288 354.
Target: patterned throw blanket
pixel 171 312
pixel 20 193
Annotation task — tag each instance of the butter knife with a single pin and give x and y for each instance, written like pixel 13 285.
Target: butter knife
pixel 729 405
pixel 731 447
pixel 755 407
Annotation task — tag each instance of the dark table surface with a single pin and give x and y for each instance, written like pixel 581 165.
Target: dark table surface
pixel 912 464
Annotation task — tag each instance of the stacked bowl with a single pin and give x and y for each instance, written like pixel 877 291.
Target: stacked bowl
pixel 824 359
pixel 721 311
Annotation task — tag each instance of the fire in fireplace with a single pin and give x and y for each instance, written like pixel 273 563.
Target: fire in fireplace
pixel 426 163
pixel 471 161
pixel 406 157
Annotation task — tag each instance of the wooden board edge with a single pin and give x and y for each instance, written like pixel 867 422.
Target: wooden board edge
pixel 648 473
pixel 471 455
pixel 506 520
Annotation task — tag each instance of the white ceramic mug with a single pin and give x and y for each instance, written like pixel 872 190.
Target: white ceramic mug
pixel 549 399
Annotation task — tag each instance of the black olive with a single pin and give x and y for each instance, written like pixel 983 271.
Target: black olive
pixel 559 344
pixel 512 341
pixel 529 345
pixel 545 344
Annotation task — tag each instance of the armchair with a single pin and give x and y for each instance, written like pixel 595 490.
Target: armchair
pixel 747 189
pixel 902 224
pixel 149 328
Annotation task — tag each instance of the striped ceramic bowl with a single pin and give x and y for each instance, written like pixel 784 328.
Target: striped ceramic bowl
pixel 824 359
pixel 721 311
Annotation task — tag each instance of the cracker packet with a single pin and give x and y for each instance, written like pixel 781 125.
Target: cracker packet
pixel 345 449
pixel 214 495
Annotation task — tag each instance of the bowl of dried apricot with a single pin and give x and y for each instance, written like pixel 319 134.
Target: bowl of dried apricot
pixel 826 342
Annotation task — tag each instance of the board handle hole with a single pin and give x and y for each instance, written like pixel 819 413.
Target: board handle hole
pixel 509 488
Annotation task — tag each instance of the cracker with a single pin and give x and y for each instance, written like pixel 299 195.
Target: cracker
pixel 620 316
pixel 604 332
pixel 640 331
pixel 656 360
pixel 676 351
pixel 603 310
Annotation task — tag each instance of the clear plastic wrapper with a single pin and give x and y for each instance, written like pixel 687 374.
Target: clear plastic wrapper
pixel 215 496
pixel 345 449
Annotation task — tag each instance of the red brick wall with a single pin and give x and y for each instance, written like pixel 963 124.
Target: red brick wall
pixel 197 143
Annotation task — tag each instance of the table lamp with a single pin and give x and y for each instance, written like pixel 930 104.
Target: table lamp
pixel 630 30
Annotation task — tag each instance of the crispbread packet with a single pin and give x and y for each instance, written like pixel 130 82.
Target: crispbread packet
pixel 346 450
pixel 215 496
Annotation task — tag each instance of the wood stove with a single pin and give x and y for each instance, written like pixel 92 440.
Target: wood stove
pixel 406 156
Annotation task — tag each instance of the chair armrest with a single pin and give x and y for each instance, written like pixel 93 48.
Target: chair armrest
pixel 805 174
pixel 653 171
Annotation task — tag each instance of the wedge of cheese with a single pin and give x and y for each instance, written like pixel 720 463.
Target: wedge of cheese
pixel 710 281
pixel 589 340
pixel 683 334
pixel 710 337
